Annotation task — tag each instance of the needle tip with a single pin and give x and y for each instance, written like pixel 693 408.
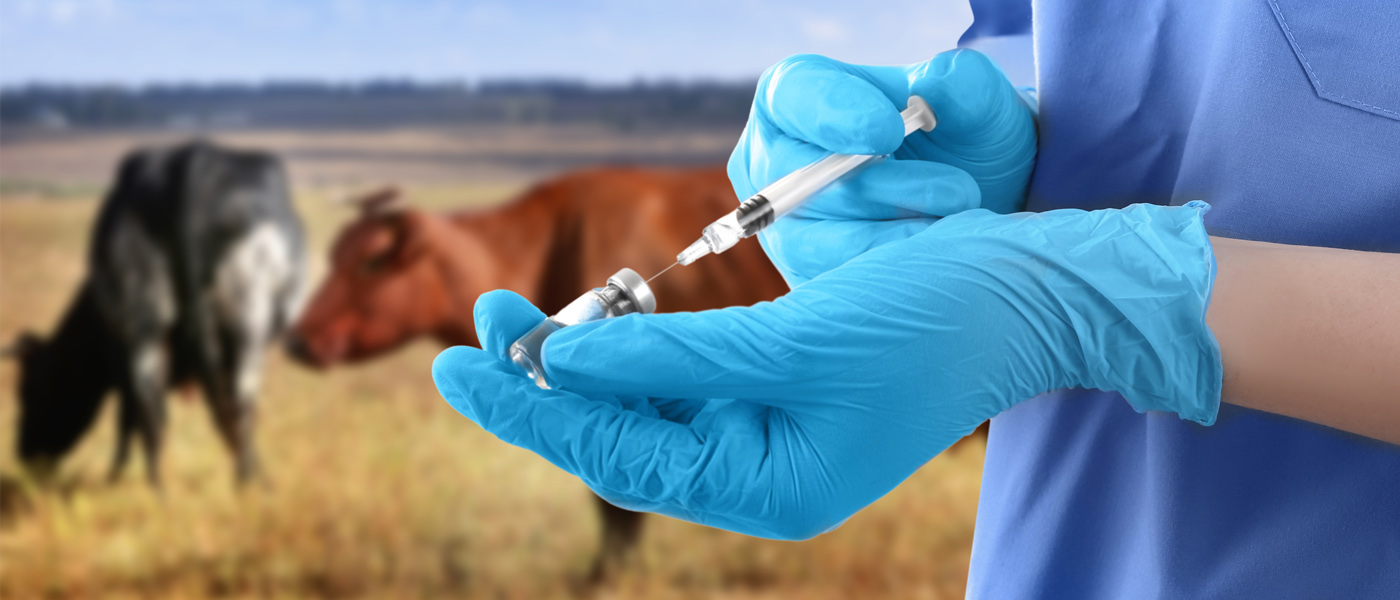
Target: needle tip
pixel 663 271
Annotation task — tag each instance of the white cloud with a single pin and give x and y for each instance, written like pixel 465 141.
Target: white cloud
pixel 825 29
pixel 489 15
pixel 64 12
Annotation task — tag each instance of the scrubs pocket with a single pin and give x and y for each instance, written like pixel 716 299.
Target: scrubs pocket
pixel 1350 50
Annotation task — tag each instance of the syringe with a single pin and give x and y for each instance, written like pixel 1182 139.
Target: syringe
pixel 783 195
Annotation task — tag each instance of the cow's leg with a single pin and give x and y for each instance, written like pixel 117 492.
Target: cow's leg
pixel 621 529
pixel 153 435
pixel 130 283
pixel 241 419
pixel 127 415
pixel 236 424
pixel 143 390
pixel 232 404
pixel 248 298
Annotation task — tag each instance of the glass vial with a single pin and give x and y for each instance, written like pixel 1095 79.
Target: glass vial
pixel 625 293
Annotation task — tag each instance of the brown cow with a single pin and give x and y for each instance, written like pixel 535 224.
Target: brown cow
pixel 398 273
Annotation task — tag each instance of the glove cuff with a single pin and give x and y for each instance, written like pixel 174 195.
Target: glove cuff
pixel 1150 341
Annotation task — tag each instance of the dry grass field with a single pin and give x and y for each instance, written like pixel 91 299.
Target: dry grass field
pixel 379 489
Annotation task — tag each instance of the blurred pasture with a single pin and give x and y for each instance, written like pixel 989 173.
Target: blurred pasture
pixel 379 489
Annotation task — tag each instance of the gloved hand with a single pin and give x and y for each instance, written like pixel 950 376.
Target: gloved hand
pixel 785 418
pixel 980 154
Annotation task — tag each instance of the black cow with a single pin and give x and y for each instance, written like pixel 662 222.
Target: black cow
pixel 196 265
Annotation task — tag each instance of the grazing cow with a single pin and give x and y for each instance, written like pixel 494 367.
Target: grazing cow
pixel 398 273
pixel 195 266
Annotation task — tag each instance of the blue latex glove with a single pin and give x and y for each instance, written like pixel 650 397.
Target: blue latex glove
pixel 785 418
pixel 980 154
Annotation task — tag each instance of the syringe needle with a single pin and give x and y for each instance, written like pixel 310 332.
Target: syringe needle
pixel 663 271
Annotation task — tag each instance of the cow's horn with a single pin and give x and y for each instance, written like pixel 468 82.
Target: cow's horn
pixel 383 200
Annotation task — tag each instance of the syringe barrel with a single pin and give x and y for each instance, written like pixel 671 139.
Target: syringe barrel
pixel 789 192
pixel 792 190
pixel 760 210
pixel 782 196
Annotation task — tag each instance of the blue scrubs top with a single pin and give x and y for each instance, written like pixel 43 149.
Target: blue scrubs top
pixel 1285 116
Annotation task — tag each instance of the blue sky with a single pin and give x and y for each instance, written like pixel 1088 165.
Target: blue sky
pixel 144 41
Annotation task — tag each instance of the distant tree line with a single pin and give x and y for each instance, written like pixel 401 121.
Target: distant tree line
pixel 376 104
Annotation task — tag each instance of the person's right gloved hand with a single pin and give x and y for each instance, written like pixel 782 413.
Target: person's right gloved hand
pixel 785 418
pixel 980 154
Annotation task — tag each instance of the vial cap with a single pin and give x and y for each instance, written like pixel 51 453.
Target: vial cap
pixel 636 289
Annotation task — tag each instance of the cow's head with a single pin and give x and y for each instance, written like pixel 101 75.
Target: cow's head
pixel 386 285
pixel 49 425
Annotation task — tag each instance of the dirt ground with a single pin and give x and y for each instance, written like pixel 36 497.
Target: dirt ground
pixel 379 489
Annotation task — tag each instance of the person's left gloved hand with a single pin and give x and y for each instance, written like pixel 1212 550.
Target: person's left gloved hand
pixel 785 418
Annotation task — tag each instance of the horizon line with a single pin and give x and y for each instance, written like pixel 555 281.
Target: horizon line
pixel 384 81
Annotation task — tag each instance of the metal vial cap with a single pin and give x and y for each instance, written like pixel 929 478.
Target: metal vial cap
pixel 636 289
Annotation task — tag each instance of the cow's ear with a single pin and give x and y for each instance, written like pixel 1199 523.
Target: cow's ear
pixel 410 235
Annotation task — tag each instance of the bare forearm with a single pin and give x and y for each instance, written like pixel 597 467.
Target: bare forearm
pixel 1312 333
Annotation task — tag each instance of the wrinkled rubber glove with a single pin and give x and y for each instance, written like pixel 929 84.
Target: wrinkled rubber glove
pixel 783 419
pixel 980 154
